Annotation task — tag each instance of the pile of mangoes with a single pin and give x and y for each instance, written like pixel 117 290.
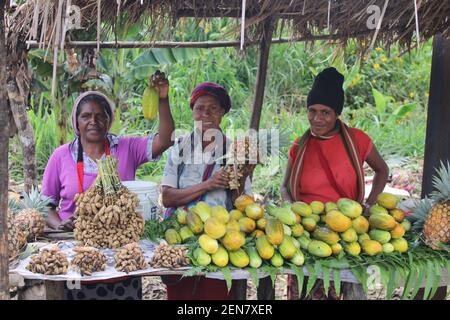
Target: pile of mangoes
pixel 335 227
pixel 253 234
pixel 245 236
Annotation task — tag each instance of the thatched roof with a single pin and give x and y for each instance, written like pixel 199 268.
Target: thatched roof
pixel 339 19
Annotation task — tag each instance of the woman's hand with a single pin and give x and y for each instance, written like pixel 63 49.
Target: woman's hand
pixel 219 180
pixel 159 81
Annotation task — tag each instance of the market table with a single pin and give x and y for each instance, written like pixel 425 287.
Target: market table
pixel 54 284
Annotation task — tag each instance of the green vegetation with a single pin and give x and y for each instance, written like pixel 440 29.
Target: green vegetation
pixel 386 95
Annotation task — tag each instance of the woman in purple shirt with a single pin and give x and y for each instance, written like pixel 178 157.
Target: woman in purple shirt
pixel 72 167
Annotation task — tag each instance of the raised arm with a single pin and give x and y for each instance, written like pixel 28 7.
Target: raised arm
pixel 163 140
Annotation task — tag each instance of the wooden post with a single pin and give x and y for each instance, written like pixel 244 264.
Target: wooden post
pixel 264 50
pixel 265 289
pixel 437 143
pixel 4 178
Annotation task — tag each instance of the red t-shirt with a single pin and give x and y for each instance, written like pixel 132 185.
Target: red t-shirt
pixel 314 182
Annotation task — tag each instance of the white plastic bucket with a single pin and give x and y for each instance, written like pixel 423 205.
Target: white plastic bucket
pixel 148 195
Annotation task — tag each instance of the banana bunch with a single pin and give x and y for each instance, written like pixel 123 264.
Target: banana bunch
pixel 150 101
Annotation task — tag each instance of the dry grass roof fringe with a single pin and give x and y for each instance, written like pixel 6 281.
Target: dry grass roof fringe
pixel 298 18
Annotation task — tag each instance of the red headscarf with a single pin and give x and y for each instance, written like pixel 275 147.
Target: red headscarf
pixel 213 89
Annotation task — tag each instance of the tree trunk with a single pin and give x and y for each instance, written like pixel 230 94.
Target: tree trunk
pixel 25 131
pixel 4 179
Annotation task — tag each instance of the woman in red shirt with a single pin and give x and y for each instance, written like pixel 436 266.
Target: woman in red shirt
pixel 326 163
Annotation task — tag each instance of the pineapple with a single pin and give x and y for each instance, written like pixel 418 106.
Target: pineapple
pixel 16 238
pixel 31 217
pixel 432 217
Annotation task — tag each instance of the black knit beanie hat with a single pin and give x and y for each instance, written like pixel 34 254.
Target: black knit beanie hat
pixel 327 90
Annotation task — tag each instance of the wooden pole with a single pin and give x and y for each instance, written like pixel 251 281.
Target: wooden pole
pixel 199 44
pixel 4 178
pixel 265 289
pixel 437 142
pixel 264 50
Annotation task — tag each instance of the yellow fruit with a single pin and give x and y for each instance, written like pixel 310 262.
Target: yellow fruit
pixel 215 228
pixel 381 236
pixel 239 258
pixel 330 206
pixel 255 259
pixel 287 230
pixel 406 225
pixel 261 224
pixel 220 258
pixel 398 231
pixel 287 248
pixel 243 201
pixel 301 208
pixel 298 218
pixel 298 259
pixel 353 248
pixel 388 248
pixel 185 233
pixel 323 218
pixel 319 248
pixel 236 214
pixel 317 207
pixel 220 213
pixel 296 243
pixel 202 210
pixel 194 222
pixel 309 224
pixel 233 225
pixel 387 200
pixel 400 245
pixel 284 214
pixel 363 237
pixel 297 230
pixel 247 225
pixel 326 235
pixel 233 240
pixel 202 257
pixel 265 249
pixel 181 216
pixel 382 221
pixel 336 248
pixel 360 224
pixel 350 208
pixel 258 233
pixel 399 215
pixel 150 103
pixel 254 211
pixel 349 235
pixel 372 247
pixel 377 209
pixel 277 260
pixel 304 241
pixel 274 231
pixel 315 217
pixel 172 236
pixel 208 244
pixel 337 221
